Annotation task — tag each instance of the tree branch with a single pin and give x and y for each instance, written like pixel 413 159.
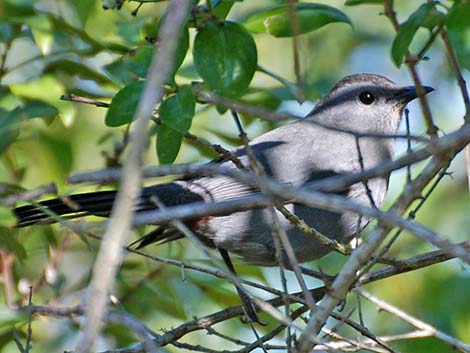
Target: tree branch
pixel 110 253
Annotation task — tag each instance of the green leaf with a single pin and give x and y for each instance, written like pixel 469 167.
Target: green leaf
pixel 222 8
pixel 124 104
pixel 39 109
pixel 458 29
pixel 10 122
pixel 59 149
pixel 176 113
pixel 168 144
pixel 8 31
pixel 278 20
pixel 130 31
pixel 360 2
pixel 75 68
pixel 181 50
pixel 13 10
pixel 225 57
pixel 83 8
pixel 435 18
pixel 118 72
pixel 138 61
pixel 424 16
pixel 7 236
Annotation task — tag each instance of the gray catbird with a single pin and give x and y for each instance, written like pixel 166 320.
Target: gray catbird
pixel 297 153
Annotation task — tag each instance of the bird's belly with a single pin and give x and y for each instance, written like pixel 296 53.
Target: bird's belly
pixel 250 234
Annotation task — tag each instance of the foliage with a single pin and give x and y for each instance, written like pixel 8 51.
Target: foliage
pixel 242 51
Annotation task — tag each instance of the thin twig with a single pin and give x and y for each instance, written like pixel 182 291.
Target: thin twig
pixel 29 332
pixel 211 97
pixel 450 143
pixel 340 286
pixel 295 26
pixel 110 254
pixel 419 324
pixel 79 99
pixel 29 194
pixel 464 91
pixel 411 62
pixel 6 260
pixel 203 323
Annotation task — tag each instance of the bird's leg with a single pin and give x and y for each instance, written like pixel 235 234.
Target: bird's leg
pixel 248 305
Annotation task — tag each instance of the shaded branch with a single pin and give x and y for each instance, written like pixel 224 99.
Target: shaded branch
pixel 413 263
pixel 110 253
pixel 341 285
pixel 419 324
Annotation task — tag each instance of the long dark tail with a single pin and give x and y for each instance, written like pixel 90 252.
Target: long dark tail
pixel 99 204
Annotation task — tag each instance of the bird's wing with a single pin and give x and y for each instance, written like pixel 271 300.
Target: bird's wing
pixel 293 154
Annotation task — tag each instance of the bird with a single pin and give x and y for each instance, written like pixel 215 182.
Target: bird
pixel 340 136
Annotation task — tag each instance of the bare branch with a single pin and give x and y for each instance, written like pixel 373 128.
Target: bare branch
pixel 360 256
pixel 79 99
pixel 110 254
pixel 411 61
pixel 419 324
pixel 451 143
pixel 211 97
pixel 203 323
pixel 29 194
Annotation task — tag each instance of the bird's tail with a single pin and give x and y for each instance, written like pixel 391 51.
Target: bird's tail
pixel 98 204
pixel 46 212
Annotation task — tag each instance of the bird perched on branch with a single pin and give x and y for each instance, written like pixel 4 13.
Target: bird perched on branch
pixel 341 135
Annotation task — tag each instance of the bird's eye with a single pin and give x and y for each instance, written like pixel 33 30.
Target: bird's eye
pixel 366 98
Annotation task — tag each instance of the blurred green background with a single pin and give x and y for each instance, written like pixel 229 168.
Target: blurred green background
pixel 53 47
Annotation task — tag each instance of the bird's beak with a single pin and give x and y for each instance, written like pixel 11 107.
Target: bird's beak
pixel 407 94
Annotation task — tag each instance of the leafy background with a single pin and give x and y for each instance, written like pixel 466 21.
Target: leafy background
pixel 50 48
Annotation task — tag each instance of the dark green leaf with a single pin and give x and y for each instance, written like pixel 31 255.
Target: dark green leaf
pixel 168 144
pixel 8 31
pixel 188 71
pixel 221 8
pixel 7 236
pixel 118 72
pixel 10 122
pixel 458 27
pixel 75 68
pixel 149 31
pixel 408 29
pixel 39 109
pixel 435 18
pixel 181 50
pixel 11 10
pixel 82 8
pixel 225 57
pixel 176 113
pixel 130 31
pixel 360 2
pixel 277 20
pixel 138 61
pixel 124 104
